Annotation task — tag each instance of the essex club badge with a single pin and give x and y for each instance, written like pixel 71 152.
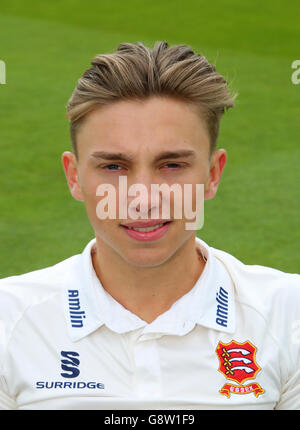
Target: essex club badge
pixel 238 364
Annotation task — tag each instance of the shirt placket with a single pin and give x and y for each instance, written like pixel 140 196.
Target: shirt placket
pixel 148 381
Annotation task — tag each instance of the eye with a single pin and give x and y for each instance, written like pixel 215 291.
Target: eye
pixel 111 167
pixel 173 165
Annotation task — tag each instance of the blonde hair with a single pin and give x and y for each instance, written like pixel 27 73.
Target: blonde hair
pixel 136 72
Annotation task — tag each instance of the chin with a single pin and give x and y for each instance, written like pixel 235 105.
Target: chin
pixel 147 258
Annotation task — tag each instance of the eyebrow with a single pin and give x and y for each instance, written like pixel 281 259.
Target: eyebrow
pixel 161 156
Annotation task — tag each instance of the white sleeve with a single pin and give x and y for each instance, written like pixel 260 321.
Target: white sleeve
pixel 6 402
pixel 290 397
pixel 289 329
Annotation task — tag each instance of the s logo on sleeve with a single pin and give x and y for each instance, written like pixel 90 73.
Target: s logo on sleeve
pixel 70 364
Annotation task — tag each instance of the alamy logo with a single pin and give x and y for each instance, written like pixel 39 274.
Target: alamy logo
pixel 222 307
pixel 76 314
pixel 296 74
pixel 2 72
pixel 70 364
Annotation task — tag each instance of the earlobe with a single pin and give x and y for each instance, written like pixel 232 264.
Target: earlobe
pixel 217 165
pixel 70 168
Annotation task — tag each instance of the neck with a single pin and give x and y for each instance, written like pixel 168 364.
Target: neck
pixel 148 291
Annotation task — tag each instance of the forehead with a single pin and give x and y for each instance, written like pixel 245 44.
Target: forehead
pixel 142 124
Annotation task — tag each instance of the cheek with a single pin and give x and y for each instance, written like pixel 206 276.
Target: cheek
pixel 89 181
pixel 101 200
pixel 89 184
pixel 196 180
pixel 193 190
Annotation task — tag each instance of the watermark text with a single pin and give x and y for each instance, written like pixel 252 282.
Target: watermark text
pixel 135 203
pixel 2 72
pixel 295 78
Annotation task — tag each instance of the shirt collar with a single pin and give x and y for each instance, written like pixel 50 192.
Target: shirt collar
pixel 209 303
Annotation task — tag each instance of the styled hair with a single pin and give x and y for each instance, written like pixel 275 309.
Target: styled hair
pixel 136 72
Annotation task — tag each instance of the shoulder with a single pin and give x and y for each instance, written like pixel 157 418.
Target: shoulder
pixel 260 286
pixel 17 293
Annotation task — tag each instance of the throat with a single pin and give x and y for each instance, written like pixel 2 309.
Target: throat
pixel 147 295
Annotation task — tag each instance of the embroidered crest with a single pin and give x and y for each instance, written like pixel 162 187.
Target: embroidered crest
pixel 238 363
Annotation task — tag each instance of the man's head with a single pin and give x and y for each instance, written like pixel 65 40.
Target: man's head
pixel 136 72
pixel 141 104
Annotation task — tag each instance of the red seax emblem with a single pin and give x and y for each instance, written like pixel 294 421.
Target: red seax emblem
pixel 238 363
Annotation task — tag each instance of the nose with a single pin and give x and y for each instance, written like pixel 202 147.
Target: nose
pixel 143 201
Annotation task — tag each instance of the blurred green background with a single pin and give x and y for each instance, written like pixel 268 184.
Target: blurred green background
pixel 46 47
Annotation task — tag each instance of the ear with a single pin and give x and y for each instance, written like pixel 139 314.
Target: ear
pixel 70 168
pixel 217 164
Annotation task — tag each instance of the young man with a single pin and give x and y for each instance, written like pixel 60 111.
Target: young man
pixel 148 316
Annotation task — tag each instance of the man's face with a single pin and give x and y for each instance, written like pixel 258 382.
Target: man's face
pixel 141 131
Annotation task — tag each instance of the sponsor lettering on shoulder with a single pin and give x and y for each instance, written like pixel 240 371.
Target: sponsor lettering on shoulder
pixel 222 307
pixel 76 313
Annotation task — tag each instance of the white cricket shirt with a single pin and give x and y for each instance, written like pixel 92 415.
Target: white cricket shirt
pixel 232 342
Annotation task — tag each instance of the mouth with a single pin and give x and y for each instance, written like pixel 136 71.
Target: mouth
pixel 151 232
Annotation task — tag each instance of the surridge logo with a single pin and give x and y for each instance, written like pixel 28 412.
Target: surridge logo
pixel 77 315
pixel 70 364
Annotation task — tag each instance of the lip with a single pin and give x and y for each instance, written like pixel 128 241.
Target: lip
pixel 149 223
pixel 145 236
